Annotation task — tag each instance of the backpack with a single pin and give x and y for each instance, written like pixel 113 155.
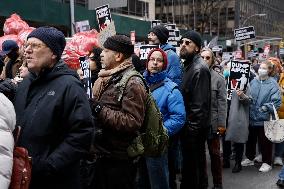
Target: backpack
pixel 152 138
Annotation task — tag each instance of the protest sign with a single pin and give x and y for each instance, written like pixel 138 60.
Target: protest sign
pixel 103 16
pixel 85 67
pixel 132 37
pixel 82 26
pixel 244 33
pixel 145 49
pixel 239 76
pixel 106 33
pixel 155 23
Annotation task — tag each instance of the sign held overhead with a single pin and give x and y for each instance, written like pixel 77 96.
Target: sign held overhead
pixel 244 33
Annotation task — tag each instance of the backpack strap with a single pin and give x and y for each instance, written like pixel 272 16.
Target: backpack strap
pixel 124 80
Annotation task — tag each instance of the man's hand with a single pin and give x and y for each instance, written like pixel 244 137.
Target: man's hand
pixel 221 130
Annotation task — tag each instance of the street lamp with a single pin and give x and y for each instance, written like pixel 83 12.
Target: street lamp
pixel 245 21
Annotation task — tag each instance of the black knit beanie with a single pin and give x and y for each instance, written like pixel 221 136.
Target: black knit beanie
pixel 52 37
pixel 161 32
pixel 193 36
pixel 120 43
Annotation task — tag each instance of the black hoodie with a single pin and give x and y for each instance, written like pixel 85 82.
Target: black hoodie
pixel 55 116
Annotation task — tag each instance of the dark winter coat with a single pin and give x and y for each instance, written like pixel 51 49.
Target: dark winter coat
pixel 196 91
pixel 56 122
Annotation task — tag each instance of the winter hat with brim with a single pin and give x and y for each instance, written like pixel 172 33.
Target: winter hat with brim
pixel 193 36
pixel 161 32
pixel 165 59
pixel 52 37
pixel 120 43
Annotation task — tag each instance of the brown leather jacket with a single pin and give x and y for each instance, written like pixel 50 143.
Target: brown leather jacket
pixel 120 121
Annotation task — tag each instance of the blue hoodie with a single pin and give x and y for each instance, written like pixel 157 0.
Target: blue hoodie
pixel 169 101
pixel 174 68
pixel 264 94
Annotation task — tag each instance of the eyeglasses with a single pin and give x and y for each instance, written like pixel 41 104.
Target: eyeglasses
pixel 187 42
pixel 156 59
pixel 34 45
pixel 206 57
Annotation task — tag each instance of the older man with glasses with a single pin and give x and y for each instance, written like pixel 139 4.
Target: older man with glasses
pixel 196 91
pixel 54 113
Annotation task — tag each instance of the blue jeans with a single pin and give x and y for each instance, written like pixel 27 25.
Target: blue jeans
pixel 281 174
pixel 157 173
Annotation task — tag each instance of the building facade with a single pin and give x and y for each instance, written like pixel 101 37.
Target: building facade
pixel 221 17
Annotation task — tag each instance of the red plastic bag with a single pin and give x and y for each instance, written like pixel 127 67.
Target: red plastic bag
pixel 14 25
pixel 24 34
pixel 79 45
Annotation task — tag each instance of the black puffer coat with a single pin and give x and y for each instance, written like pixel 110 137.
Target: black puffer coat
pixel 56 122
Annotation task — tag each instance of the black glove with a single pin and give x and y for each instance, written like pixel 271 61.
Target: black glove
pixel 95 105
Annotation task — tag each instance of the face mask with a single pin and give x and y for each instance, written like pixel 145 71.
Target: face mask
pixel 226 73
pixel 262 72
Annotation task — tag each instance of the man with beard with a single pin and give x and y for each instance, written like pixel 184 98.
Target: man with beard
pixel 13 60
pixel 196 91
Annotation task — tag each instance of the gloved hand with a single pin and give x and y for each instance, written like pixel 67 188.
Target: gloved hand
pixel 221 130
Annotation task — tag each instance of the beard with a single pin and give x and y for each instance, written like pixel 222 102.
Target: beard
pixel 184 54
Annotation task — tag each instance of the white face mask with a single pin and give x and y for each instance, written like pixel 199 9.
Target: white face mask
pixel 262 72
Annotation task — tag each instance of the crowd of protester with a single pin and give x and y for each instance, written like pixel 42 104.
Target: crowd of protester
pixel 80 142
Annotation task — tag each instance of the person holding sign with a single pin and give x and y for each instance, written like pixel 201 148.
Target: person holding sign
pixel 159 35
pixel 196 91
pixel 218 117
pixel 265 94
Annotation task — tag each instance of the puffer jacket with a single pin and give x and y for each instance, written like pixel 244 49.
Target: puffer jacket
pixel 264 95
pixel 120 120
pixel 196 91
pixel 169 101
pixel 56 120
pixel 7 125
pixel 174 68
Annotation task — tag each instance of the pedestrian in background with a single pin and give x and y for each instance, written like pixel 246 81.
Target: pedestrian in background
pixel 265 94
pixel 218 118
pixel 196 91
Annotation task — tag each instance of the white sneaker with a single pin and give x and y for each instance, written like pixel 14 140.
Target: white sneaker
pixel 278 161
pixel 246 162
pixel 265 168
pixel 258 158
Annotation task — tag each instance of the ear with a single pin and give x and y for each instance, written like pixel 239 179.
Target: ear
pixel 119 57
pixel 54 57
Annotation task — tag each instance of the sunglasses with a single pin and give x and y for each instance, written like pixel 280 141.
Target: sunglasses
pixel 206 57
pixel 185 41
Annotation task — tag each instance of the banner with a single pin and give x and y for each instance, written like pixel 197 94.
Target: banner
pixel 85 67
pixel 239 76
pixel 103 16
